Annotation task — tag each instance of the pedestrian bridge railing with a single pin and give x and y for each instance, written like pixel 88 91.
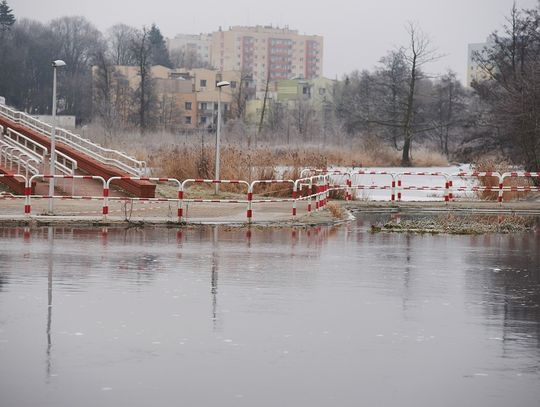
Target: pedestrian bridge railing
pixel 104 155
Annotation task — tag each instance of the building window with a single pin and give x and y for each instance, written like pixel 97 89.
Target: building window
pixel 233 84
pixel 188 105
pixel 203 83
pixel 322 91
pixel 187 120
pixel 203 120
pixel 203 106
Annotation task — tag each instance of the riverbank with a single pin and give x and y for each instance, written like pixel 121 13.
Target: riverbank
pixel 279 215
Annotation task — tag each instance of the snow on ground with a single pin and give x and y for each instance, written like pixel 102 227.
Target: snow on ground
pixel 408 181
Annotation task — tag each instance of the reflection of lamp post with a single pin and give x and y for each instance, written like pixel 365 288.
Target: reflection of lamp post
pixel 219 86
pixel 55 64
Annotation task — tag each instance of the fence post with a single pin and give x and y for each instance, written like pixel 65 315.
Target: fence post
pixel 294 193
pixel 105 200
pixel 249 213
pixel 180 202
pixel 500 196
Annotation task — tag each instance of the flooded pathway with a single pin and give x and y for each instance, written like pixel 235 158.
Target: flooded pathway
pixel 331 316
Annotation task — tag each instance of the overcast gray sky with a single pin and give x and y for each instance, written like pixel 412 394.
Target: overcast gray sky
pixel 356 33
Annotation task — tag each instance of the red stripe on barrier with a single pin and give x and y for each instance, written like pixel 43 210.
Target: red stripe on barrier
pixel 180 194
pixel 250 196
pixel 105 210
pixel 249 213
pixel 105 192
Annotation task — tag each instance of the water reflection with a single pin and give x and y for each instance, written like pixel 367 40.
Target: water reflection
pixel 140 310
pixel 50 237
pixel 214 273
pixel 506 274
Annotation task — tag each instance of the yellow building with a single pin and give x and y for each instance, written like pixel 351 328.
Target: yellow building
pixel 187 99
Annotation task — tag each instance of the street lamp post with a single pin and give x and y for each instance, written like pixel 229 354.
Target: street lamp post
pixel 218 132
pixel 55 64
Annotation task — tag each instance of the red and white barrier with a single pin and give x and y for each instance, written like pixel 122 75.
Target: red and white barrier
pixel 251 201
pixel 28 208
pixel 174 181
pixel 27 190
pixel 219 201
pixel 317 186
pixel 391 187
pixel 474 188
pixel 445 188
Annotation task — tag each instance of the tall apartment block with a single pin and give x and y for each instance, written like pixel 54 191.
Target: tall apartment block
pixel 268 53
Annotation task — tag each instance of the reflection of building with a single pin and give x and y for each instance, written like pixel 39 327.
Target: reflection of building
pixel 475 72
pixel 188 97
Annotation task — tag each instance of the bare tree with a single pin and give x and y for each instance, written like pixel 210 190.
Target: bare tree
pixel 417 54
pixel 120 38
pixel 448 111
pixel 512 91
pixel 241 94
pixel 187 58
pixel 78 43
pixel 145 91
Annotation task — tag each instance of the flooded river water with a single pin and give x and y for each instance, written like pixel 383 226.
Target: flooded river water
pixel 217 316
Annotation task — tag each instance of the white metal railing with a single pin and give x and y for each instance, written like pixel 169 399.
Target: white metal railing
pixel 19 158
pixel 31 146
pixel 64 164
pixel 104 155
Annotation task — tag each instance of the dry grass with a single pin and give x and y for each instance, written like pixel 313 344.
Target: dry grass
pixel 500 166
pixel 424 157
pixel 198 161
pixel 336 210
pixel 462 225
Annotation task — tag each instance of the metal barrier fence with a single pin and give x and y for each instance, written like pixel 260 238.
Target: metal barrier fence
pixel 315 187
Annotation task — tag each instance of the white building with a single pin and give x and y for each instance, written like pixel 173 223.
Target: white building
pixel 198 46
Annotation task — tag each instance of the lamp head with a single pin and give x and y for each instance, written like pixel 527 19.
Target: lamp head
pixel 58 63
pixel 222 84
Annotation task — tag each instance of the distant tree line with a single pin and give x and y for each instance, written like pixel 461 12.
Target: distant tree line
pixel 397 103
